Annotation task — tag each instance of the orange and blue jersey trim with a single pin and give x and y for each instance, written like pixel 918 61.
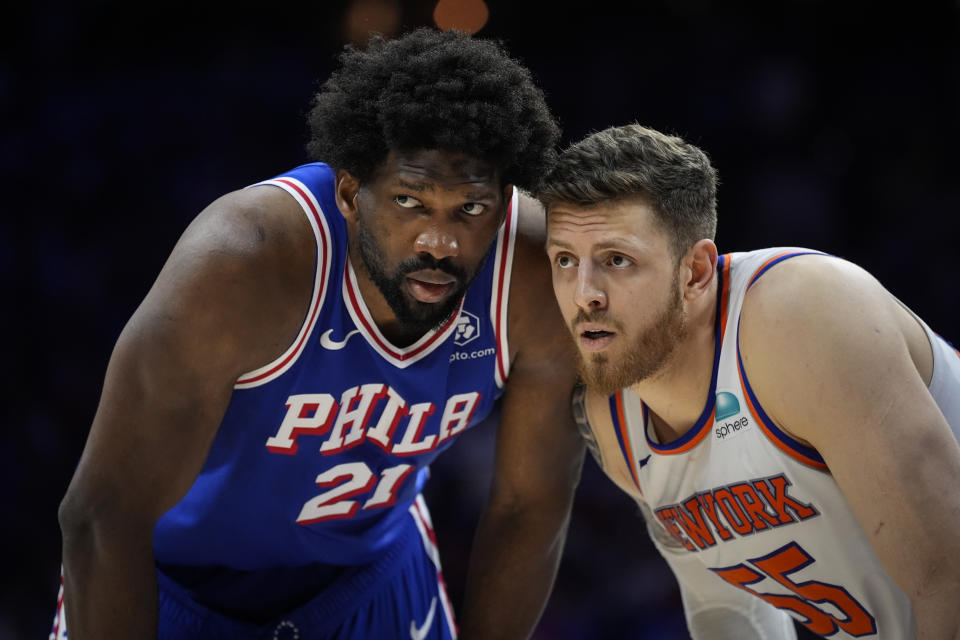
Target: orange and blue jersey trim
pixel 793 448
pixel 623 436
pixel 704 423
pixel 723 268
pixel 778 259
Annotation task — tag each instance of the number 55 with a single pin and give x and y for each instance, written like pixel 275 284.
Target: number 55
pixel 778 566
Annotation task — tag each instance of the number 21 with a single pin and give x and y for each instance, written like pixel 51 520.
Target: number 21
pixel 352 479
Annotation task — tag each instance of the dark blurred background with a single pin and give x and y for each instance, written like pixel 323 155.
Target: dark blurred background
pixel 834 125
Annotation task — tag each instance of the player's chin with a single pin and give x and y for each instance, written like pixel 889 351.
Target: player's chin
pixel 426 316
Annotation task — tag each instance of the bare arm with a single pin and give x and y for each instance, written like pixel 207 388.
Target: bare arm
pixel 854 392
pixel 539 455
pixel 169 380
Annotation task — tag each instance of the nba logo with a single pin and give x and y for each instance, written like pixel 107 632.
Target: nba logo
pixel 468 329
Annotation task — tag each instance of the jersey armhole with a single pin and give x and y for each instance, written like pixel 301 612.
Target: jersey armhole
pixel 787 444
pixel 318 222
pixel 499 301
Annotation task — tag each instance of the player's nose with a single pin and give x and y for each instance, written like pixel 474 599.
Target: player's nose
pixel 588 293
pixel 438 241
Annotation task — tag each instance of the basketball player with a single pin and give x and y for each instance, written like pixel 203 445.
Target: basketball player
pixel 255 466
pixel 788 427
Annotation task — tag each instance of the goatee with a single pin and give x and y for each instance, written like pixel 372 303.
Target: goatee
pixel 417 318
pixel 644 357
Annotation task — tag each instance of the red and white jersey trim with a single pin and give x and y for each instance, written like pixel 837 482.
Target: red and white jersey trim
pixel 421 516
pixel 318 223
pixel 59 631
pixel 499 300
pixel 400 357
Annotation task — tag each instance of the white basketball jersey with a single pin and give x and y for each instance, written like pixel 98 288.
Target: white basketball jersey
pixel 740 509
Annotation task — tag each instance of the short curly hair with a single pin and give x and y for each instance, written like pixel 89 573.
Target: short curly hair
pixel 432 89
pixel 674 176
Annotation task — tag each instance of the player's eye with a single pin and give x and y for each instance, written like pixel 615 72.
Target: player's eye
pixel 407 202
pixel 473 208
pixel 617 260
pixel 564 261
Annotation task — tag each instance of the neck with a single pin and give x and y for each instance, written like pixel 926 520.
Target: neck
pixel 677 393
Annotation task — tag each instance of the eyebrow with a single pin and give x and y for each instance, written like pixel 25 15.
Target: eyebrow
pixel 482 195
pixel 601 246
pixel 555 243
pixel 415 186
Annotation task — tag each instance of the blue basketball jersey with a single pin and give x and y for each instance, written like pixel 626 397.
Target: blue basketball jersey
pixel 322 452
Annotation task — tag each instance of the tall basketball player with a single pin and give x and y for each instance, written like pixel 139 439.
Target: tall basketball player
pixel 255 465
pixel 787 426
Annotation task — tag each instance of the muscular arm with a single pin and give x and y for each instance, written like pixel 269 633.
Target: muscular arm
pixel 829 354
pixel 538 459
pixel 202 325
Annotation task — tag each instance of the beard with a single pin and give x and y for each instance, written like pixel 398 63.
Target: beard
pixel 645 355
pixel 414 316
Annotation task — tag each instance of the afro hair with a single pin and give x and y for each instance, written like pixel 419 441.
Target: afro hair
pixel 433 89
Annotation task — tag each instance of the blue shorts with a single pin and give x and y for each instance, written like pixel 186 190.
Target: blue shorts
pixel 402 595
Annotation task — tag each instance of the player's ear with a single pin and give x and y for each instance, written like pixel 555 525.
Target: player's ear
pixel 699 267
pixel 347 192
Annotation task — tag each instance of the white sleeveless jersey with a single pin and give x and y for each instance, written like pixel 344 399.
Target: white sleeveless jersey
pixel 740 509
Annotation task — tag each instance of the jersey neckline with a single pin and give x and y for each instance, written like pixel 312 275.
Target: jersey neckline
pixel 704 422
pixel 400 357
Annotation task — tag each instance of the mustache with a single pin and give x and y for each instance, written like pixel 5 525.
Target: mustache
pixel 599 316
pixel 426 261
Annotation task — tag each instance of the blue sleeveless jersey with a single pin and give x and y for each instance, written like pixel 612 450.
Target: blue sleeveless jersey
pixel 321 452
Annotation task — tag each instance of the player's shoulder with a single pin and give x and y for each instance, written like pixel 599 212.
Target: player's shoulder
pixel 256 226
pixel 531 283
pixel 529 256
pixel 268 214
pixel 531 219
pixel 535 323
pixel 809 284
pixel 248 251
pixel 820 310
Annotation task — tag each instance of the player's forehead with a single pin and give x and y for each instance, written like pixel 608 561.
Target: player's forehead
pixel 426 169
pixel 624 222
